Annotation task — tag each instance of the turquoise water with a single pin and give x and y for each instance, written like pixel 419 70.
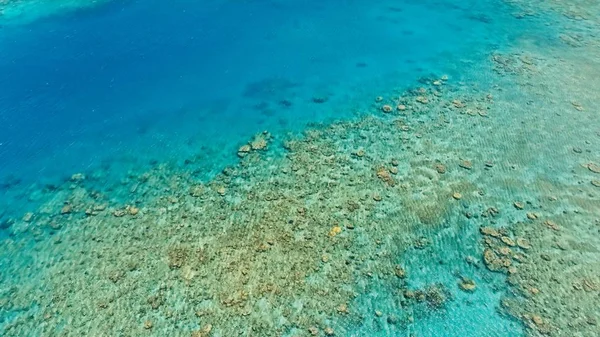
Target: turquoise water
pixel 129 206
pixel 86 88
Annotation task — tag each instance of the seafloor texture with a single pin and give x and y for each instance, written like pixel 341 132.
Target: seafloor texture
pixel 461 205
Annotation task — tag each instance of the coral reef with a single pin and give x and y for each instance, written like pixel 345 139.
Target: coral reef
pixel 293 237
pixel 265 235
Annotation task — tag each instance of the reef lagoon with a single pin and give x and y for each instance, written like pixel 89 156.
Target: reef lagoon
pixel 300 168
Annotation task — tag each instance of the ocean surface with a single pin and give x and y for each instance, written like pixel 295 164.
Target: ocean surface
pixel 83 89
pixel 298 168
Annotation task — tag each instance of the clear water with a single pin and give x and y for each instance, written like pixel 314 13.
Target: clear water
pixel 83 88
pixel 148 99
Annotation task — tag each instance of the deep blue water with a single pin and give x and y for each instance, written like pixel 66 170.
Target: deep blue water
pixel 151 80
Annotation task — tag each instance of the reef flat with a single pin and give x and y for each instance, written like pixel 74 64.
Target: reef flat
pixel 480 192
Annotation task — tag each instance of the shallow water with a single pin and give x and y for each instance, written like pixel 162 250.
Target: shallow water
pixel 229 168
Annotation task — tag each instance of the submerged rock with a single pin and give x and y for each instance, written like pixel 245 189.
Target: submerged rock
pixel 386 108
pixel 399 272
pixel 244 150
pixel 132 210
pixel 458 104
pixel 422 99
pixel 259 142
pixel 334 231
pixel 508 241
pixel 28 217
pixel 437 296
pixel 467 285
pixel 552 225
pixel 204 332
pixel 66 209
pixel 320 99
pixel 577 105
pixel 486 230
pixel 148 325
pixel 466 164
pixel 77 177
pixel 5 223
pixel 359 153
pixel 523 243
pixel 196 191
pixel 385 175
pixel 593 167
pixel 492 261
pixel 119 213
